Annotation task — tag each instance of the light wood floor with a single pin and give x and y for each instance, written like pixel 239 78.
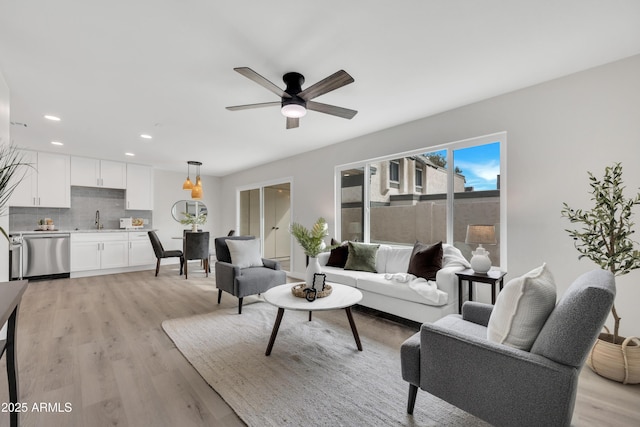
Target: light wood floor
pixel 96 343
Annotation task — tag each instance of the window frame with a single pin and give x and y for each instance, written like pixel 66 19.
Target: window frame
pixel 450 147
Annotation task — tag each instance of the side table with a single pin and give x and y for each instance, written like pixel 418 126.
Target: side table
pixel 492 277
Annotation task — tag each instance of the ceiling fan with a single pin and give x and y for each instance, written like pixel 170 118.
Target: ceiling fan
pixel 294 101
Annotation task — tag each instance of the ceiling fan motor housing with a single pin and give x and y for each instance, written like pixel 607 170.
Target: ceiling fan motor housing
pixel 294 83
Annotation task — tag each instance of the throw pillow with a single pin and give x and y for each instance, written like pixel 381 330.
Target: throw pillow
pixel 522 309
pixel 338 255
pixel 362 257
pixel 245 253
pixel 425 260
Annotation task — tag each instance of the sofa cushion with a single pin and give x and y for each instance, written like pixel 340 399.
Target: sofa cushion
pixel 338 256
pixel 377 283
pixel 425 260
pixel 397 259
pixel 362 257
pixel 522 309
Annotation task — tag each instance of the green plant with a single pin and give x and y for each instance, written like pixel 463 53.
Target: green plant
pixel 605 235
pixel 312 241
pixel 190 219
pixel 11 173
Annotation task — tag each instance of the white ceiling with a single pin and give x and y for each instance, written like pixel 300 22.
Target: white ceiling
pixel 115 69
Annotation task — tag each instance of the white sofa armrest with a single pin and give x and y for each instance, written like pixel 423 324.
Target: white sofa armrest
pixel 447 281
pixel 323 258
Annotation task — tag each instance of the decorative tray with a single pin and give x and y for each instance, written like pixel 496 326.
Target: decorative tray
pixel 298 291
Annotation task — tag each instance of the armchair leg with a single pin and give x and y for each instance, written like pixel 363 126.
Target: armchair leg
pixel 157 267
pixel 413 391
pixel 181 264
pixel 239 305
pixel 219 295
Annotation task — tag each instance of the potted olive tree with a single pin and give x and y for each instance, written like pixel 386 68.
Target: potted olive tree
pixel 604 236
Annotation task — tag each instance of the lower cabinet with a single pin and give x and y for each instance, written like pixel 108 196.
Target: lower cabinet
pixel 140 249
pixel 96 251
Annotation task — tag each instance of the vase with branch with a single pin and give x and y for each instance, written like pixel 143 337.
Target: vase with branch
pixel 12 170
pixel 194 220
pixel 312 242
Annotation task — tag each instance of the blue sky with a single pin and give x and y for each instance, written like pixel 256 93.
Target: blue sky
pixel 480 165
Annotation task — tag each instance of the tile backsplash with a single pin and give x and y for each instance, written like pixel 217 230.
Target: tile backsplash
pixel 85 201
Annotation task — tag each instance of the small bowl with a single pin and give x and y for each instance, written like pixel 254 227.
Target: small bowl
pixel 51 227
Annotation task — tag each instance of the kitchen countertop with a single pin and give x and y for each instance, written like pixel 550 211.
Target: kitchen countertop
pixel 90 230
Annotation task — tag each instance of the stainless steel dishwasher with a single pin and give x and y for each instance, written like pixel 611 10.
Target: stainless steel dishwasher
pixel 46 256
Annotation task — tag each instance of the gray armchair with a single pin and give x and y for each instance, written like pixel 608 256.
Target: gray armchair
pixel 242 282
pixel 453 360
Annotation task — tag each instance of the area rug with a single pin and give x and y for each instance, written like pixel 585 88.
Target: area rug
pixel 314 376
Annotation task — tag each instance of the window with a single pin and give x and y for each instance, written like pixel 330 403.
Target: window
pixel 394 171
pixel 418 179
pixel 451 187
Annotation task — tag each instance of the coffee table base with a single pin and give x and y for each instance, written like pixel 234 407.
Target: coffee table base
pixel 280 314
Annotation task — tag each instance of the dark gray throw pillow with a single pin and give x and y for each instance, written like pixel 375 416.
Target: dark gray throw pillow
pixel 425 260
pixel 338 255
pixel 362 257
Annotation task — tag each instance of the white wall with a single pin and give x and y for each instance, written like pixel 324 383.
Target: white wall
pixel 557 131
pixel 4 139
pixel 167 191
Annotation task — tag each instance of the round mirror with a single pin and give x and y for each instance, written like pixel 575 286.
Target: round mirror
pixel 192 207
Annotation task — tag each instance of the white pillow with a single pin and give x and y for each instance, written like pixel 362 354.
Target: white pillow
pixel 245 253
pixel 522 309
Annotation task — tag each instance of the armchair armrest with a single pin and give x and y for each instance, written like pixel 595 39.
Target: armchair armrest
pixel 226 274
pixel 476 312
pixel 461 368
pixel 270 263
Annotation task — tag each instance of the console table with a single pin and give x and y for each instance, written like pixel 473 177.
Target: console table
pixel 10 296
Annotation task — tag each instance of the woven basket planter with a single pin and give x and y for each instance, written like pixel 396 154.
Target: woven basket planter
pixel 618 362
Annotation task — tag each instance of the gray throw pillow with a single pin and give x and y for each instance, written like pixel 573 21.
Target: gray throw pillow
pixel 362 257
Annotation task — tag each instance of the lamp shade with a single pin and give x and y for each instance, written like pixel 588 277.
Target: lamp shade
pixel 188 185
pixel 481 234
pixel 196 192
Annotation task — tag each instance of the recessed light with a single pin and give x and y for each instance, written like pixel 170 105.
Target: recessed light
pixel 129 154
pixel 57 143
pixel 52 118
pixel 145 136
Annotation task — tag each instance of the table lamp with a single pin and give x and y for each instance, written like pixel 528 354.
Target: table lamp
pixel 481 234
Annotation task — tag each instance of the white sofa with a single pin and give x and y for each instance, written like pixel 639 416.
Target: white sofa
pixel 406 300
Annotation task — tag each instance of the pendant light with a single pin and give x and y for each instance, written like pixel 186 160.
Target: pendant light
pixel 188 185
pixel 196 191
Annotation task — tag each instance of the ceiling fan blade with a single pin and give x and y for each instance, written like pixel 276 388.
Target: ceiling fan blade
pixel 345 113
pixel 252 75
pixel 293 122
pixel 249 106
pixel 333 82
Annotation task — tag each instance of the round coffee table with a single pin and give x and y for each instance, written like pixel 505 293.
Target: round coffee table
pixel 342 296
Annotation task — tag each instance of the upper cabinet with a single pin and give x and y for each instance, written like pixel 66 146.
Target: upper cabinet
pixel 88 172
pixel 46 182
pixel 139 187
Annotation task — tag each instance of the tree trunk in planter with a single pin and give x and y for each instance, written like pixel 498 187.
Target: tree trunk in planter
pixel 617 361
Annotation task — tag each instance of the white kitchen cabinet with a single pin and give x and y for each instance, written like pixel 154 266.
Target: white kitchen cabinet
pixel 87 172
pixel 140 249
pixel 96 251
pixel 47 182
pixel 139 187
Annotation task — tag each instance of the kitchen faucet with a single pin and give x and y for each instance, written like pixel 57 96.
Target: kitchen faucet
pixel 98 225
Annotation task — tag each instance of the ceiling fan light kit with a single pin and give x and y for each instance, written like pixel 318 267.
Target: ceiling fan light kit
pixel 294 102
